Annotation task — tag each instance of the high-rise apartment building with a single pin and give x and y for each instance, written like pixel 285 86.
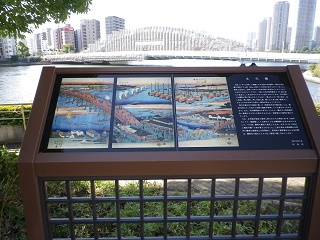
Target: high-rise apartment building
pixel 89 32
pixel 57 43
pixel 316 34
pixel 46 39
pixel 67 35
pixel 262 33
pixel 302 34
pixel 280 26
pixel 289 34
pixel 8 47
pixel 114 24
pixel 316 38
pixel 251 41
pixel 268 34
pixel 37 43
pixel 77 40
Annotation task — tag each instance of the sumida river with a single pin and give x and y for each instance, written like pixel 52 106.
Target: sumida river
pixel 19 84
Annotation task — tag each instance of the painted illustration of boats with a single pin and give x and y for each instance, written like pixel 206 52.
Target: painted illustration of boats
pixel 197 97
pixel 152 92
pixel 190 100
pixel 181 99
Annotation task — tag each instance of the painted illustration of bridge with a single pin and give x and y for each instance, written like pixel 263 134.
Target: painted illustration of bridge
pixel 121 114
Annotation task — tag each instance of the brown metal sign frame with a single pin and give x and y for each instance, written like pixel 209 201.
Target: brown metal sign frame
pixel 34 164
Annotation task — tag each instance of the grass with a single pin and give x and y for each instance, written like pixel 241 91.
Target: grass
pixel 176 206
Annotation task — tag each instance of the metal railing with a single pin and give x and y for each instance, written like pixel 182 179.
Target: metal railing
pixel 257 208
pixel 18 108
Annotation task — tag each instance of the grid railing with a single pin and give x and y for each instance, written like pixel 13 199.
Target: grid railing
pixel 254 207
pixel 19 108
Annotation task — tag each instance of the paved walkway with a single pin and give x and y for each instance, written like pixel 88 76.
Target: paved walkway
pixel 226 186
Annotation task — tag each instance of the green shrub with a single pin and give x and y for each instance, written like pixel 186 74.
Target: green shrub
pixel 14 58
pixel 35 59
pixel 318 108
pixel 312 67
pixel 12 223
pixel 315 69
pixel 14 112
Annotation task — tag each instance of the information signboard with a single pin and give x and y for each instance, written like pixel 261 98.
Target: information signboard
pixel 173 111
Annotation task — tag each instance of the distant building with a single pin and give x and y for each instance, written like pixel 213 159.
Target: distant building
pixel 67 35
pixel 302 35
pixel 268 34
pixel 89 32
pixel 280 26
pixel 316 38
pixel 262 35
pixel 8 47
pixel 77 40
pixel 63 36
pixel 37 44
pixel 114 24
pixel 289 34
pixel 46 40
pixel 251 41
pixel 57 39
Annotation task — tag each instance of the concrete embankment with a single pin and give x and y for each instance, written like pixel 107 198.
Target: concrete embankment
pixel 308 77
pixel 11 134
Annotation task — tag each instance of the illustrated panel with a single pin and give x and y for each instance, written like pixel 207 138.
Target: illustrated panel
pixel 143 116
pixel 82 115
pixel 204 114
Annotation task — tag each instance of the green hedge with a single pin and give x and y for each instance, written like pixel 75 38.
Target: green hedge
pixel 14 112
pixel 12 223
pixel 318 108
pixel 315 69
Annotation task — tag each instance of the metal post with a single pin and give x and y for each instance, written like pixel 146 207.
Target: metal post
pixel 23 117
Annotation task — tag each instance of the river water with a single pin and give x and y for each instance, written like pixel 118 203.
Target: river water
pixel 19 84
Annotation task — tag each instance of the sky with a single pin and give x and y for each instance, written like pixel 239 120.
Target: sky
pixel 231 19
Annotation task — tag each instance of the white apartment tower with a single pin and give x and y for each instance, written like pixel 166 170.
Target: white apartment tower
pixel 268 34
pixel 262 33
pixel 37 44
pixel 8 47
pixel 280 26
pixel 251 41
pixel 114 24
pixel 316 38
pixel 302 33
pixel 316 34
pixel 89 32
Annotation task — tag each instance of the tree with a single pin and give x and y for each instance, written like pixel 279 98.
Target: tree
pixel 68 48
pixel 23 50
pixel 18 17
pixel 304 49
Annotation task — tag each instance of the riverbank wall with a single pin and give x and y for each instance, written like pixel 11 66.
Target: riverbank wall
pixel 18 64
pixel 11 134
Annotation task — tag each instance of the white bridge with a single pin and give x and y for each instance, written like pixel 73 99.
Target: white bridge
pixel 206 55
